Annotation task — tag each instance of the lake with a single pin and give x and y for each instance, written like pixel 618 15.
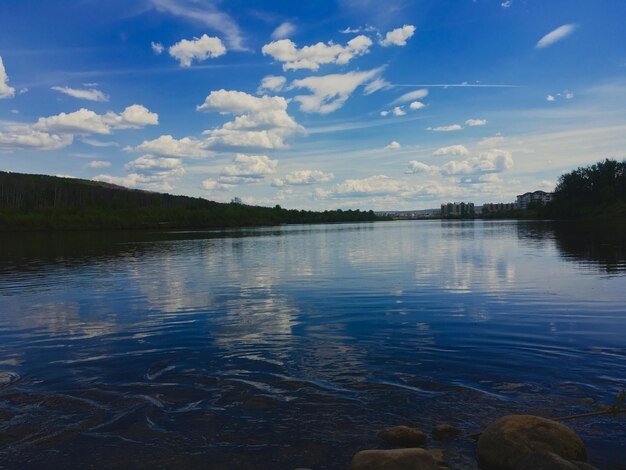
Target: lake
pixel 292 346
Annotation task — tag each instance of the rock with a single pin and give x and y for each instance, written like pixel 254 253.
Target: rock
pixel 507 441
pixel 396 459
pixel 550 461
pixel 441 432
pixel 403 436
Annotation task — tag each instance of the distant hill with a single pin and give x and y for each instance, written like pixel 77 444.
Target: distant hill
pixel 41 202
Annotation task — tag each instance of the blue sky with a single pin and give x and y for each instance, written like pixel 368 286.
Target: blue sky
pixel 327 104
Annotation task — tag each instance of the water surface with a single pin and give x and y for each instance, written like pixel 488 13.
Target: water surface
pixel 292 346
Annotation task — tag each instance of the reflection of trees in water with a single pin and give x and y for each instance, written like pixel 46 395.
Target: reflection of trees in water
pixel 602 245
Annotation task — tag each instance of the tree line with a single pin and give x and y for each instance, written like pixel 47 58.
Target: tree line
pixel 41 202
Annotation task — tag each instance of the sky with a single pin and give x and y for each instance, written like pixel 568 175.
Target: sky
pixel 351 104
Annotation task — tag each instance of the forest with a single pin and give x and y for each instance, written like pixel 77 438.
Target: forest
pixel 594 190
pixel 41 202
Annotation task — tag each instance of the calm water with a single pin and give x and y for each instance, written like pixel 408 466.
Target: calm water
pixel 288 347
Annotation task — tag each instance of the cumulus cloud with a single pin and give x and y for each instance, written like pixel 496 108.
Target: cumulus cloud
pixel 330 92
pixel 398 36
pixel 416 105
pixel 452 150
pixel 398 111
pixel 98 164
pixel 411 96
pixel 56 132
pixel 284 30
pixel 419 167
pixel 246 169
pixel 25 137
pixel 156 182
pixel 554 36
pixel 168 146
pixel 150 162
pixel 148 172
pixel 302 178
pixel 85 121
pixel 5 90
pixel 507 4
pixel 451 128
pixel 475 122
pixel 491 161
pixel 89 94
pixel 157 47
pixel 272 83
pixel 393 146
pixel 261 122
pixel 199 49
pixel 311 57
pixel 377 185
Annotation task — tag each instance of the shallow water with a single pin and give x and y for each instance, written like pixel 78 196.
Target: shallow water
pixel 292 346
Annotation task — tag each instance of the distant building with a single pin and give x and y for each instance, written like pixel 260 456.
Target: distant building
pixel 536 197
pixel 457 210
pixel 491 208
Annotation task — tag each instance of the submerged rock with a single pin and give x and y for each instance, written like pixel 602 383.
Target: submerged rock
pixel 403 436
pixel 396 459
pixel 507 441
pixel 441 432
pixel 550 461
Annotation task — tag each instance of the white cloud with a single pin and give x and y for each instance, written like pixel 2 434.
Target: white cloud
pixel 150 162
pixel 559 33
pixel 491 161
pixel 199 49
pixel 507 4
pixel 375 85
pixel 261 122
pixel 360 29
pixel 157 47
pixel 272 83
pixel 98 143
pixel 567 95
pixel 398 111
pixel 303 177
pixel 451 128
pixel 476 122
pixel 411 96
pixel 330 92
pixel 90 94
pixel 245 170
pixel 370 186
pixel 204 13
pixel 85 121
pixel 166 145
pixel 25 137
pixel 415 105
pixel 156 182
pixel 393 146
pixel 419 167
pixel 98 164
pixel 148 172
pixel 384 113
pixel 284 30
pixel 452 150
pixel 398 36
pixel 5 90
pixel 311 57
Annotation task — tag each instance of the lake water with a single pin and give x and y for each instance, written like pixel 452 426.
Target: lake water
pixel 285 347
